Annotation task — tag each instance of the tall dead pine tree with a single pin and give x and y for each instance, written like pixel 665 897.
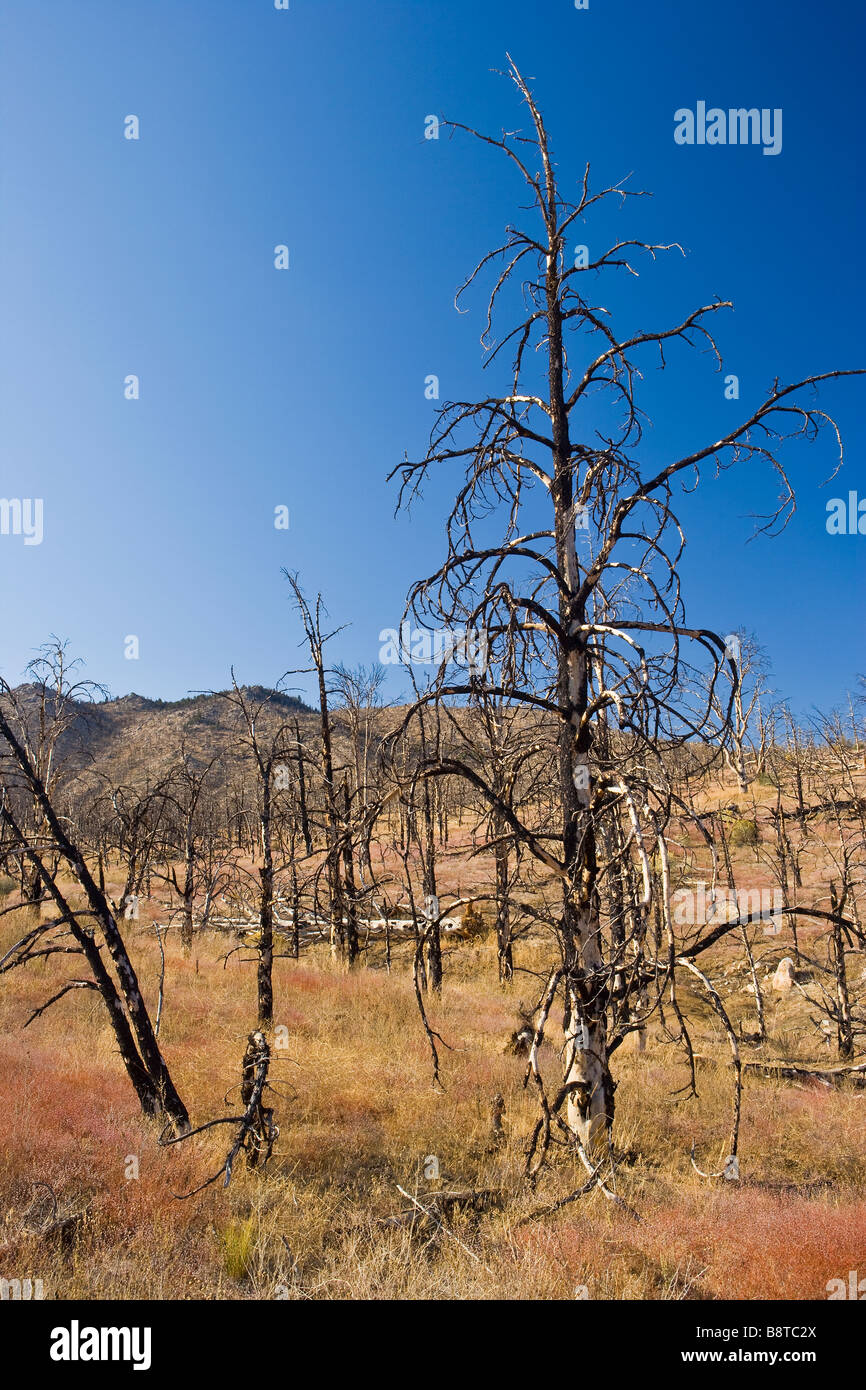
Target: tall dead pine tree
pixel 550 595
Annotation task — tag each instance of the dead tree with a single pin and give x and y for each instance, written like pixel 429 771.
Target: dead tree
pixel 515 752
pixel 45 710
pixel 585 612
pixel 192 836
pixel 742 689
pixel 344 931
pixel 359 690
pixel 135 822
pixel 843 1018
pixel 265 737
pixel 121 993
pixel 302 792
pixel 256 1131
pixel 427 852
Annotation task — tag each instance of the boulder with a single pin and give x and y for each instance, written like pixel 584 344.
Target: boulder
pixel 784 977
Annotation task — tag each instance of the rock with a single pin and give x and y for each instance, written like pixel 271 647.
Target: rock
pixel 784 976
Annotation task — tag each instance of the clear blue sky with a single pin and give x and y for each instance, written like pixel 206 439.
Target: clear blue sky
pixel 304 387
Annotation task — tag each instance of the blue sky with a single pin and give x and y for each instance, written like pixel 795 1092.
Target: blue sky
pixel 304 387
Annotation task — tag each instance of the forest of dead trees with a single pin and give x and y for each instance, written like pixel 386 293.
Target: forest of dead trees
pixel 276 829
pixel 581 765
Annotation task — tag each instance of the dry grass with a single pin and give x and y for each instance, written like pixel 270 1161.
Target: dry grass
pixel 358 1116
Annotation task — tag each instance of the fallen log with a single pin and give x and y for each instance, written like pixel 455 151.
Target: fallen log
pixel 795 1071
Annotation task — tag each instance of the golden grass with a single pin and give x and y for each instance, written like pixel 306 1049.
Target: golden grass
pixel 359 1116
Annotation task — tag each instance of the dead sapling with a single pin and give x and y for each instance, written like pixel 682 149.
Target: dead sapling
pixel 256 1133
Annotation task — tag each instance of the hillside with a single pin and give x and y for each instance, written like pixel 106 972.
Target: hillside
pixel 136 739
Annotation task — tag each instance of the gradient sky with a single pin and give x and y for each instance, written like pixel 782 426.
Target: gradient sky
pixel 304 387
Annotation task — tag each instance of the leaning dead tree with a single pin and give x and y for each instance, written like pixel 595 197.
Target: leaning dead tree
pixel 577 599
pixel 92 929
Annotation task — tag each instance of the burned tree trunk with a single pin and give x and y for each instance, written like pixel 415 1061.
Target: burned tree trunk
pixel 256 1133
pixel 302 793
pixel 296 905
pixel 264 977
pixel 577 634
pixel 586 1069
pixel 157 1092
pixel 503 905
pixel 433 931
pixel 844 1026
pixel 353 948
